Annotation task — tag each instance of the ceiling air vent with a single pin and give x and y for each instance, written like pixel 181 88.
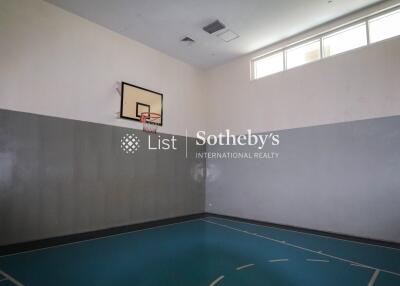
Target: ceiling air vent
pixel 187 40
pixel 228 36
pixel 214 27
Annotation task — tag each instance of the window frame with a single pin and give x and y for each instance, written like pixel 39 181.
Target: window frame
pixel 380 15
pixel 343 29
pixel 271 54
pixel 298 45
pixel 321 36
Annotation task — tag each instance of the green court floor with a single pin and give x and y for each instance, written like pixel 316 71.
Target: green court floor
pixel 208 251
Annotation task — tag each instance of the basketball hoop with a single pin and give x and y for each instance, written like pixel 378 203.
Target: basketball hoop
pixel 150 121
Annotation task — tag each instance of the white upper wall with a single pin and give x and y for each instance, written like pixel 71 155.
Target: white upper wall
pixel 359 84
pixel 55 63
pixel 161 24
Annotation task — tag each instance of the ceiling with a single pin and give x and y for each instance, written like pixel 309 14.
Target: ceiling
pixel 161 24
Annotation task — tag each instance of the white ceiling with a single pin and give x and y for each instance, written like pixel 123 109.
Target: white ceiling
pixel 161 24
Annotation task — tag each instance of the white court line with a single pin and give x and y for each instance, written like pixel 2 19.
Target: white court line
pixel 307 233
pixel 244 266
pixel 12 279
pixel 373 278
pixel 278 260
pixel 362 266
pixel 318 260
pixel 98 238
pixel 217 280
pixel 356 265
pixel 303 248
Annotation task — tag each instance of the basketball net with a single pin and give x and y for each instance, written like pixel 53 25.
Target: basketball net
pixel 150 121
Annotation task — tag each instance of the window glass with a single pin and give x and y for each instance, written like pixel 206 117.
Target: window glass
pixel 380 28
pixel 384 27
pixel 303 54
pixel 345 40
pixel 268 65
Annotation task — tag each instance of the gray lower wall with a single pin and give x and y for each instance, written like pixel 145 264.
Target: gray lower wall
pixel 342 178
pixel 60 176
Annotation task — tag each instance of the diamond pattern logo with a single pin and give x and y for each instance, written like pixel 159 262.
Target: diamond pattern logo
pixel 130 143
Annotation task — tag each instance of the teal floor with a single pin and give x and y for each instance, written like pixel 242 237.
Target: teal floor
pixel 210 251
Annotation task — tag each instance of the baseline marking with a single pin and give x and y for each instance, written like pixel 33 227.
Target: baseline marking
pixel 217 280
pixel 12 279
pixel 362 266
pixel 305 249
pixel 306 233
pixel 102 237
pixel 318 260
pixel 373 278
pixel 244 266
pixel 278 260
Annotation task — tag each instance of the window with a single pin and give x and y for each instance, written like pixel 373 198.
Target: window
pixel 367 30
pixel 268 65
pixel 303 54
pixel 384 27
pixel 345 40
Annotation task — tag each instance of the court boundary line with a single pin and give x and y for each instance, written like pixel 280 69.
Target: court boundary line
pixel 317 260
pixel 302 248
pixel 278 260
pixel 244 266
pixel 10 278
pixel 373 278
pixel 98 238
pixel 215 282
pixel 307 233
